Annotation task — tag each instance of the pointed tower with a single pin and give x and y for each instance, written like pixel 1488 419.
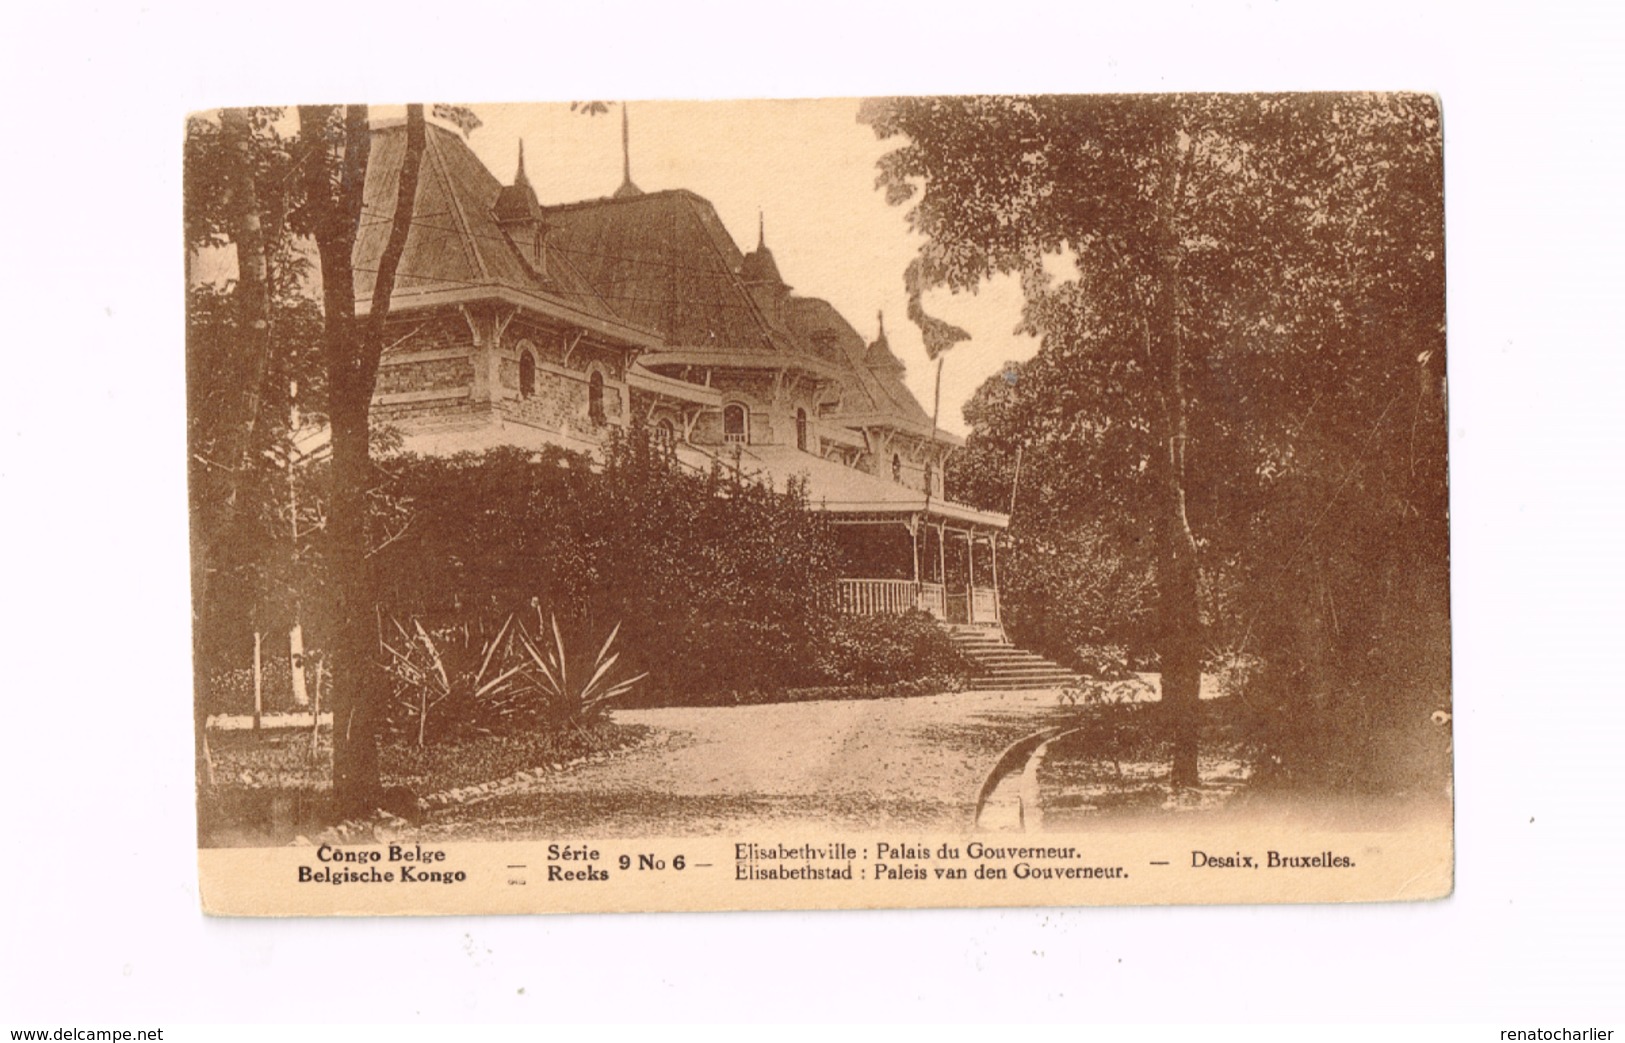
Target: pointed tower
pixel 627 190
pixel 520 216
pixel 760 274
pixel 879 354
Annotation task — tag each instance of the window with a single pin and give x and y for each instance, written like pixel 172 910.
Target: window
pixel 527 374
pixel 896 468
pixel 735 424
pixel 801 430
pixel 595 398
pixel 930 479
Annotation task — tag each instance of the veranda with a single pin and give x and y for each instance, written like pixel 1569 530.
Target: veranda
pixel 895 563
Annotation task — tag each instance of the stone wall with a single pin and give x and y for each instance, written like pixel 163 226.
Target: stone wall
pixel 431 374
pixel 411 335
pixel 425 355
pixel 434 371
pixel 561 398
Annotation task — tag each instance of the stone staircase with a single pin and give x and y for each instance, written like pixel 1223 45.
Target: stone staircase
pixel 1002 666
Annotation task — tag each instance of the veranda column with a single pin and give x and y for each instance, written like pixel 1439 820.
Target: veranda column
pixel 998 606
pixel 970 577
pixel 942 568
pixel 914 536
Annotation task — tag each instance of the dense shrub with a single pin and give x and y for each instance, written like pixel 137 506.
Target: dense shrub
pixel 872 650
pixel 717 583
pixel 842 657
pixel 1073 591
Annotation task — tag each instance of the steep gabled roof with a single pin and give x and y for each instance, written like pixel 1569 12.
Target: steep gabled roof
pixel 875 389
pixel 665 261
pixel 816 323
pixel 456 247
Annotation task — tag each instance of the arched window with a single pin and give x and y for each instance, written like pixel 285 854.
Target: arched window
pixel 735 424
pixel 527 374
pixel 665 432
pixel 801 430
pixel 896 468
pixel 595 397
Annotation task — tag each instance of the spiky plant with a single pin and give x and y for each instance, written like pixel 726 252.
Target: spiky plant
pixel 573 698
pixel 427 672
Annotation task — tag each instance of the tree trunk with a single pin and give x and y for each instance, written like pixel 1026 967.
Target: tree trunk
pixel 352 351
pixel 356 697
pixel 1179 617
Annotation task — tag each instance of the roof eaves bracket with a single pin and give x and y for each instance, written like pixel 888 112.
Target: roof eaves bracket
pixel 572 340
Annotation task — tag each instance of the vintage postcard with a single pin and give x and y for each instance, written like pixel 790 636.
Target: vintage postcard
pixel 893 502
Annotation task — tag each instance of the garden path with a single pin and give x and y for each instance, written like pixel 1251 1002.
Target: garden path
pixel 706 770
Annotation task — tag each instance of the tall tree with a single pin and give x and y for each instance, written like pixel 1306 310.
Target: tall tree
pixel 335 147
pixel 1239 265
pixel 229 358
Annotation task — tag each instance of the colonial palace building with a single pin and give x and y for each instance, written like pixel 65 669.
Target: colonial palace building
pixel 516 324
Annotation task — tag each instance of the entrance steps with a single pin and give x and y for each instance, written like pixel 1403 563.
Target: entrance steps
pixel 1002 666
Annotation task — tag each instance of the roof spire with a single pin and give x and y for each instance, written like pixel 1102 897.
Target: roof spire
pixel 627 189
pixel 879 355
pixel 758 265
pixel 517 202
pixel 519 177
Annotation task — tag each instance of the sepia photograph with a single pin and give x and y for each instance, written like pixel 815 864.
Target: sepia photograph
pixel 857 485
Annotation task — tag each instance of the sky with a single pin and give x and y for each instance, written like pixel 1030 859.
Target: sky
pixel 808 167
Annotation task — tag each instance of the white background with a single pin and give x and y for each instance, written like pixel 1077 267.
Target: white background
pixel 96 845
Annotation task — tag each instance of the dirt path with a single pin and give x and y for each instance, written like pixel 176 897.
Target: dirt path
pixel 872 764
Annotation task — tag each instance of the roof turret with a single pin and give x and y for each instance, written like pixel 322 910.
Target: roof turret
pixel 759 266
pixel 517 202
pixel 879 355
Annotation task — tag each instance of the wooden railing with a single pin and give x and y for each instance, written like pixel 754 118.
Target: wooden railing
pixel 930 600
pixel 877 597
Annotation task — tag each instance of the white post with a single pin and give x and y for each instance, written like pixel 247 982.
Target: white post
pixel 296 658
pixel 258 702
pixel 316 713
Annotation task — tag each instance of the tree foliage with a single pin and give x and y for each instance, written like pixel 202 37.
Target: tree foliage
pixel 1248 340
pixel 244 339
pixel 262 197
